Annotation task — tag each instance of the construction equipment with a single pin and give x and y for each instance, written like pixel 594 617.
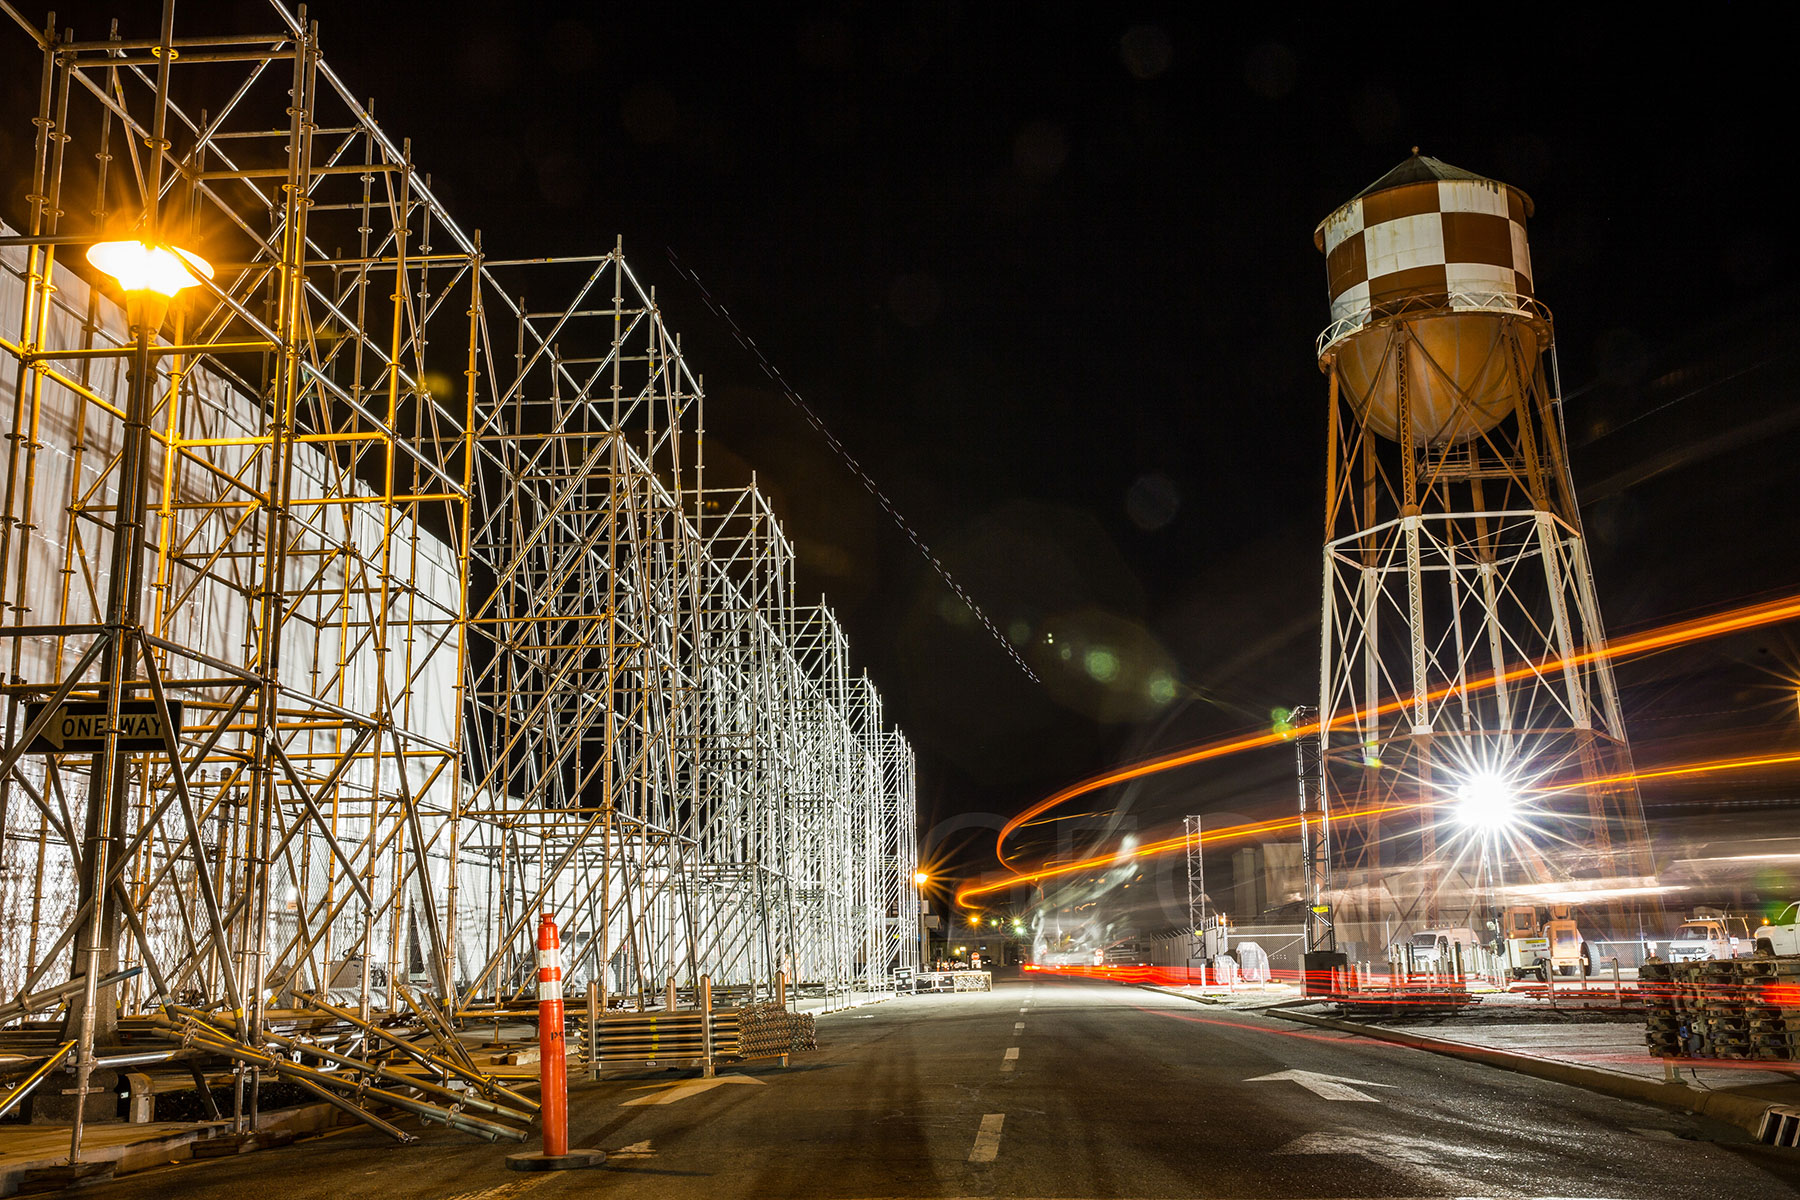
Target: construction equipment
pixel 1534 941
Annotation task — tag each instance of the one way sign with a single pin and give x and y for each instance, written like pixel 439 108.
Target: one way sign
pixel 79 726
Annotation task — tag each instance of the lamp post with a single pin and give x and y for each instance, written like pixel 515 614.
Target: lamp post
pixel 151 276
pixel 920 879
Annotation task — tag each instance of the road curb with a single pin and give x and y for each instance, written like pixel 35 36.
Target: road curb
pixel 1745 1112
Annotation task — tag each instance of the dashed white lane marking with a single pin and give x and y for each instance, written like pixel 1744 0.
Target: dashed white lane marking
pixel 1018 1026
pixel 1011 1060
pixel 987 1138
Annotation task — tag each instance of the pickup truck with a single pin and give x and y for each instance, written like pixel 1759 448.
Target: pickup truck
pixel 1782 936
pixel 1710 935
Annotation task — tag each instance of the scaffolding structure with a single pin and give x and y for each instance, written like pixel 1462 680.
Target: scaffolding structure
pixel 424 573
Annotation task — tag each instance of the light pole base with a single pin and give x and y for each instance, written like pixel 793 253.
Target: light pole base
pixel 574 1160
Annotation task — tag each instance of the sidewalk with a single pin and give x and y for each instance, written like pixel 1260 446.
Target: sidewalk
pixel 1244 996
pixel 1609 1057
pixel 820 1005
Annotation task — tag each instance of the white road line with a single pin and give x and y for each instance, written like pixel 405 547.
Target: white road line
pixel 1018 1026
pixel 987 1138
pixel 1011 1060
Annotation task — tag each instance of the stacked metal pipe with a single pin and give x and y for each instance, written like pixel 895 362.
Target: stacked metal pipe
pixel 1747 1008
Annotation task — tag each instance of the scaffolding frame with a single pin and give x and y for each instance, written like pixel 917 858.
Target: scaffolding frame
pixel 459 631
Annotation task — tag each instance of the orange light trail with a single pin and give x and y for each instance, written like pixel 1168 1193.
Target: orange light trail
pixel 1751 616
pixel 1699 768
pixel 1164 846
pixel 1171 844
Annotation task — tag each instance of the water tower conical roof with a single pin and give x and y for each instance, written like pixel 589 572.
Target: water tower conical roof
pixel 1422 168
pixel 1419 169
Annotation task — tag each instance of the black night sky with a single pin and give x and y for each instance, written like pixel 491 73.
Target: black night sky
pixel 1048 272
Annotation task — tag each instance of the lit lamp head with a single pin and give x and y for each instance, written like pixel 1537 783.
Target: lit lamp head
pixel 151 276
pixel 1487 803
pixel 920 878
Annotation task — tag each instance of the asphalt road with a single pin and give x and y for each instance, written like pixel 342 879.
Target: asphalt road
pixel 1052 1088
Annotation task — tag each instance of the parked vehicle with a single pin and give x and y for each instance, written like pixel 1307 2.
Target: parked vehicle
pixel 1711 934
pixel 1436 949
pixel 1781 936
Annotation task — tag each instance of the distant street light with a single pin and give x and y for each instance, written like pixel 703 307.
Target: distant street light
pixel 920 878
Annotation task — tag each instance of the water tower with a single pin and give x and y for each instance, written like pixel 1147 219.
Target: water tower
pixel 1472 731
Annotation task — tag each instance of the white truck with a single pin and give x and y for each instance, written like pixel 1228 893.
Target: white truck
pixel 1781 936
pixel 1436 949
pixel 1711 934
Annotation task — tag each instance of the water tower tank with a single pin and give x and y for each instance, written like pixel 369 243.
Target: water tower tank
pixel 1430 280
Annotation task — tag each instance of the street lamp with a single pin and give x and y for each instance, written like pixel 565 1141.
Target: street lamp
pixel 920 878
pixel 150 276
